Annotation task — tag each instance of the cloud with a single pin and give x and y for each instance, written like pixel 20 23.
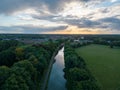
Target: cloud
pixel 11 6
pixel 49 17
pixel 30 29
pixel 108 23
pixel 87 14
pixel 82 23
pixel 112 23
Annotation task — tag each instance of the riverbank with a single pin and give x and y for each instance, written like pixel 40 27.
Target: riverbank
pixel 47 72
pixel 56 79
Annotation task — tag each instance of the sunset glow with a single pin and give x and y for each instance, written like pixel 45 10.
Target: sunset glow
pixel 60 17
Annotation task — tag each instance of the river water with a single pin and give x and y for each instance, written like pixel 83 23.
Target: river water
pixel 56 80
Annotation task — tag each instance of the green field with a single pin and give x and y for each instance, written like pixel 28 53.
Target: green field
pixel 104 64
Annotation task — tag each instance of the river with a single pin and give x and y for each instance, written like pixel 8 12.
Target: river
pixel 56 80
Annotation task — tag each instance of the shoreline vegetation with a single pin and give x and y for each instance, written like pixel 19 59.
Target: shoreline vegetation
pixel 77 73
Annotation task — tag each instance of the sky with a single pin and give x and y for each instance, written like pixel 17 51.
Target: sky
pixel 60 16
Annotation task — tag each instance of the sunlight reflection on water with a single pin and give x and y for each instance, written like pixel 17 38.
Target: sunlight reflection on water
pixel 56 80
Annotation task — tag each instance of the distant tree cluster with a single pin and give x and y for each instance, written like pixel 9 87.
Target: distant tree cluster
pixel 116 43
pixel 4 45
pixel 79 44
pixel 76 73
pixel 100 41
pixel 22 67
pixel 110 43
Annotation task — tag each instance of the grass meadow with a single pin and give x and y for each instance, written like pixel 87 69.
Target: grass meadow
pixel 104 64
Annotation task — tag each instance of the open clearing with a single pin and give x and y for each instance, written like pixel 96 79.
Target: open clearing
pixel 104 64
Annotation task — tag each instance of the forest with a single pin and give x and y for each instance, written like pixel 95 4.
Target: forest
pixel 22 66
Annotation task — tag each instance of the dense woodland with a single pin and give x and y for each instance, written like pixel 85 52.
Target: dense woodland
pixel 76 72
pixel 22 66
pixel 109 42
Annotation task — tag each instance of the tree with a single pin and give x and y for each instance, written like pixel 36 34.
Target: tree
pixel 89 85
pixel 19 53
pixel 4 74
pixel 76 74
pixel 78 86
pixel 111 45
pixel 4 45
pixel 15 82
pixel 71 61
pixel 26 70
pixel 7 57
